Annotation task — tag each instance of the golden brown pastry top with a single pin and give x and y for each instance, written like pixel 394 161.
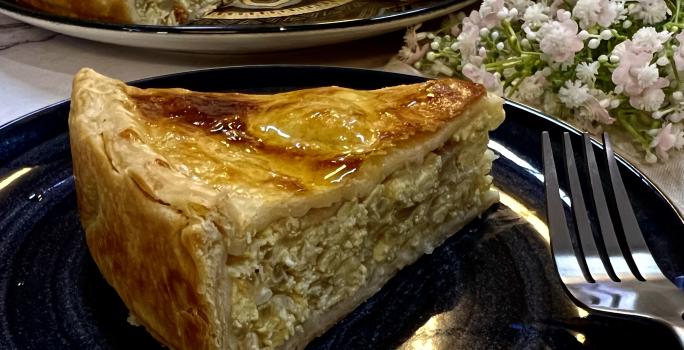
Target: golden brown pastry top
pixel 295 141
pixel 115 11
pixel 256 158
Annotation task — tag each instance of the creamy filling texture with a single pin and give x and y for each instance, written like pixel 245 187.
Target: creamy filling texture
pixel 300 267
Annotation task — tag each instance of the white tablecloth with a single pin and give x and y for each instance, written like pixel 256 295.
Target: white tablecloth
pixel 36 68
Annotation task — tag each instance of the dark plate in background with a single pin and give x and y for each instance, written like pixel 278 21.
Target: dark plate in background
pixel 491 286
pixel 306 23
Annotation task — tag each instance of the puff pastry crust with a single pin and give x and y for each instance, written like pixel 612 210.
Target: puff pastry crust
pixel 154 12
pixel 230 221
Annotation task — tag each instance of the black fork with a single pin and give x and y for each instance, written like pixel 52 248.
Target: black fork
pixel 600 272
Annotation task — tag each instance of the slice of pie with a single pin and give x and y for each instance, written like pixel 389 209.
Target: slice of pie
pixel 158 12
pixel 234 221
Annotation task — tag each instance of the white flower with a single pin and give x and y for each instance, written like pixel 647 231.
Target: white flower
pixel 536 15
pixel 530 34
pixel 622 12
pixel 676 117
pixel 648 40
pixel 650 11
pixel 676 107
pixel 481 76
pixel 469 37
pixel 574 94
pixel 664 140
pixel 649 100
pixel 519 5
pixel 586 72
pixel 412 51
pixel 593 110
pixel 678 131
pixel 647 75
pixel 620 49
pixel 531 89
pixel 489 11
pixel 559 38
pixel 592 12
pixel 679 52
pixel 634 75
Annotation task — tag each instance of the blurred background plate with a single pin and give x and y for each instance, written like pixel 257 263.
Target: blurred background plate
pixel 490 286
pixel 243 27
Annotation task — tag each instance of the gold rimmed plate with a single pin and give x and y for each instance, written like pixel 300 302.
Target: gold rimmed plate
pixel 248 26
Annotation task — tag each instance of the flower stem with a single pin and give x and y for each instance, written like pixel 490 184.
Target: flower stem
pixel 630 129
pixel 512 38
pixel 674 68
pixel 503 64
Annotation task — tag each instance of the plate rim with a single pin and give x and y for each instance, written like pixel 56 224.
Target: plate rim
pixel 16 123
pixel 21 10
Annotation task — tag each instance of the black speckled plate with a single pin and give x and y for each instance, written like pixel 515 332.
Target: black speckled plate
pixel 491 286
pixel 247 26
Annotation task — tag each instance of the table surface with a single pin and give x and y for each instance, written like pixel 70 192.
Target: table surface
pixel 36 67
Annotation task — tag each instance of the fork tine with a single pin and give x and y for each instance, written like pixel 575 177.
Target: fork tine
pixel 567 264
pixel 634 238
pixel 620 268
pixel 594 260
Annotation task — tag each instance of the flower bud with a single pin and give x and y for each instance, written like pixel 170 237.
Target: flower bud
pixel 583 35
pixel 431 56
pixel 594 43
pixel 495 35
pixel 500 46
pixel 434 45
pixel 603 59
pixel 606 34
pixel 678 96
pixel 513 12
pixel 484 32
pixel 525 43
pixel 663 61
pixel 626 24
pixel 454 46
pixel 503 13
pixel 430 36
pixel 614 103
pixel 614 59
